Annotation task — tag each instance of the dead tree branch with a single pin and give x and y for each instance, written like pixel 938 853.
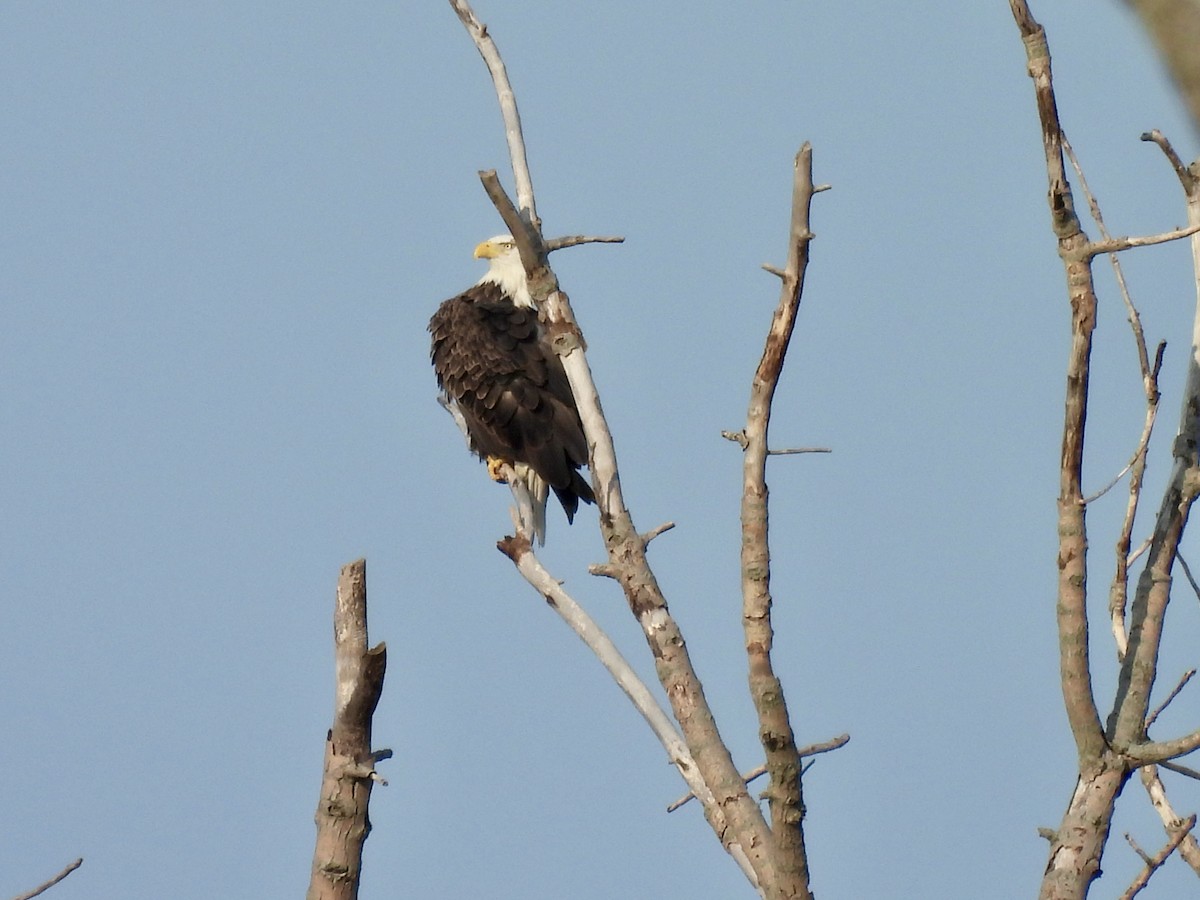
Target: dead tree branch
pixel 1078 844
pixel 1106 756
pixel 811 750
pixel 1119 591
pixel 46 885
pixel 785 793
pixel 1149 606
pixel 521 552
pixel 1189 849
pixel 342 820
pixel 1153 863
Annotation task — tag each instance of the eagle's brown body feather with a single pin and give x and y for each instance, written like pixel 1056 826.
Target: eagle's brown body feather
pixel 493 363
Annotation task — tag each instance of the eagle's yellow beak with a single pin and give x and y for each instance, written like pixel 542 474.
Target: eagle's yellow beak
pixel 487 250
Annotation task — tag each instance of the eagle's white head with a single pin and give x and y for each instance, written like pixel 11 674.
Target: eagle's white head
pixel 506 269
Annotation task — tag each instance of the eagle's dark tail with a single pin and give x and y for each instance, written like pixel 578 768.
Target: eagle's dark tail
pixel 570 495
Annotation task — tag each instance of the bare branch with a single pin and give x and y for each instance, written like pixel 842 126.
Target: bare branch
pixel 1153 592
pixel 1137 848
pixel 1072 527
pixel 574 240
pixel 650 535
pixel 1152 865
pixel 785 792
pixel 1182 172
pixel 46 885
pixel 1078 844
pixel 528 240
pixel 1116 245
pixel 794 450
pixel 508 108
pixel 1119 591
pixel 1155 752
pixel 520 551
pixel 1187 571
pixel 1189 849
pixel 811 750
pixel 1187 676
pixel 1178 768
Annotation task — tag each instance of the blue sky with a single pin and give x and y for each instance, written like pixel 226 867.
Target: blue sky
pixel 225 227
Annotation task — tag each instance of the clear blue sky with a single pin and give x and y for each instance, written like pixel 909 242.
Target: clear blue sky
pixel 224 229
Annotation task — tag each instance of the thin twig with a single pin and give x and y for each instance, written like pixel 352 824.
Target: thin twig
pixel 1187 571
pixel 1179 769
pixel 811 750
pixel 574 240
pixel 1152 865
pixel 45 886
pixel 794 450
pixel 1136 848
pixel 1187 676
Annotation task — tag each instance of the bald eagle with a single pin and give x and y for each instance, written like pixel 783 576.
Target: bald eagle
pixel 500 376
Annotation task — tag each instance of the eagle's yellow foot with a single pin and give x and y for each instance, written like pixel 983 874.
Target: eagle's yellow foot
pixel 494 466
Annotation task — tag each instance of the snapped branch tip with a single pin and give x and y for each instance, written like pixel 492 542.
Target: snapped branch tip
pixel 650 535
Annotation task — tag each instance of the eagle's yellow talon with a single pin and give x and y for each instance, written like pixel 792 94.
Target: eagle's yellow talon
pixel 494 466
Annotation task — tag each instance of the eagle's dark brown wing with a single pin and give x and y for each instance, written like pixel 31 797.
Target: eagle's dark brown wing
pixel 511 389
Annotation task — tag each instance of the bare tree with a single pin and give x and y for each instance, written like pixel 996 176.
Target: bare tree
pixel 1109 752
pixel 773 855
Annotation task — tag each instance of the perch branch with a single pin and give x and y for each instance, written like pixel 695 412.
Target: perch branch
pixel 46 885
pixel 342 821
